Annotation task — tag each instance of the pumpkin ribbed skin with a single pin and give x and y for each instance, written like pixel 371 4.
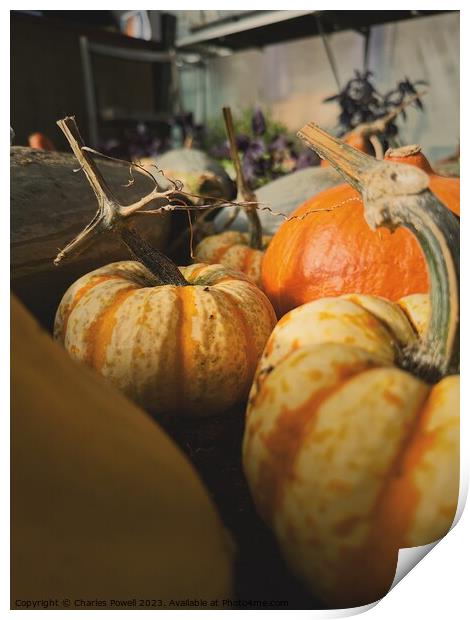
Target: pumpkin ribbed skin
pixel 332 251
pixel 232 249
pixel 190 350
pixel 349 458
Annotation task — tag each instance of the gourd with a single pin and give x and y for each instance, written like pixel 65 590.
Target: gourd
pixel 332 251
pixel 200 174
pixel 103 503
pixel 240 251
pixel 351 446
pixel 49 203
pixel 283 196
pixel 177 341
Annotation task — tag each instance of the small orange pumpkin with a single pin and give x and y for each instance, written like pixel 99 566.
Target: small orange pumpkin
pixel 178 341
pixel 332 250
pixel 241 251
pixel 232 249
pixel 188 350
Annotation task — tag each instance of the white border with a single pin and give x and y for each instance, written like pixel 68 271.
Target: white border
pixel 439 586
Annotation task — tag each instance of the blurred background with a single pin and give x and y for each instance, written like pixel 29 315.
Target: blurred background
pixel 142 82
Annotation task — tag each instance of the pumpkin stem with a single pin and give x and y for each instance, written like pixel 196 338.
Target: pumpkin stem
pixel 150 257
pixel 373 129
pixel 410 154
pixel 397 195
pixel 111 216
pixel 243 191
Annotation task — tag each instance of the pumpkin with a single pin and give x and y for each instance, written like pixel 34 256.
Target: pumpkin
pixel 199 173
pixel 351 446
pixel 243 252
pixel 189 349
pixel 447 189
pixel 40 141
pixel 330 250
pixel 282 196
pixel 103 503
pixel 232 249
pixel 178 341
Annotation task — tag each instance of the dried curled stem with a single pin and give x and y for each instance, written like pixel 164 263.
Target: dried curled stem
pixel 111 214
pixel 372 130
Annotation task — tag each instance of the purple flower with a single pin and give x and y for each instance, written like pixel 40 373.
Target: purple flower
pixel 243 142
pixel 306 159
pixel 258 122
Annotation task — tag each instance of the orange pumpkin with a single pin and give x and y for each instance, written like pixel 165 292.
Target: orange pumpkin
pixel 232 249
pixel 351 447
pixel 332 251
pixel 41 142
pixel 177 349
pixel 241 251
pixel 447 189
pixel 178 341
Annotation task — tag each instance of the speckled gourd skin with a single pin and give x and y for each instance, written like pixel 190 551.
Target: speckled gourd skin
pixel 186 350
pixel 232 249
pixel 349 458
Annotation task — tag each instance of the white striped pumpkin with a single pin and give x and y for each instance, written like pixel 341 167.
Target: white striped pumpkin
pixel 188 350
pixel 348 457
pixel 232 249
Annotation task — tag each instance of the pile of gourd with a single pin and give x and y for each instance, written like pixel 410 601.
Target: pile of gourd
pixel 340 333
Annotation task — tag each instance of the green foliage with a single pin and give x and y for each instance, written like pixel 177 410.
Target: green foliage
pixel 242 120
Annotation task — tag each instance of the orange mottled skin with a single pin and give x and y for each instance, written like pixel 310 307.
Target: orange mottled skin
pixel 333 251
pixel 186 350
pixel 232 249
pixel 348 457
